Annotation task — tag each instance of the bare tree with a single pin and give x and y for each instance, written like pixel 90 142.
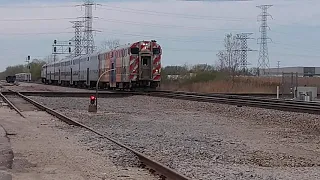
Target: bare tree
pixel 228 59
pixel 110 44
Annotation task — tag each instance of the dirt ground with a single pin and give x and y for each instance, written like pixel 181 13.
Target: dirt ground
pixel 43 151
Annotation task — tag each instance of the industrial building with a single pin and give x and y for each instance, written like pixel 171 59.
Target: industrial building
pixel 302 71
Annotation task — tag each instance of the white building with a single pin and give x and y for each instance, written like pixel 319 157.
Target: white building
pixel 302 71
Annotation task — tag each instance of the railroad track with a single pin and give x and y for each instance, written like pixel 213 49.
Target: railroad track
pixel 268 103
pixel 103 94
pixel 240 100
pixel 154 167
pixel 17 103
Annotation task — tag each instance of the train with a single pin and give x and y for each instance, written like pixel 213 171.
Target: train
pixel 131 66
pixel 23 77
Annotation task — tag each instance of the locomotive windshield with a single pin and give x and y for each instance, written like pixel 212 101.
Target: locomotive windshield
pixel 134 50
pixel 156 50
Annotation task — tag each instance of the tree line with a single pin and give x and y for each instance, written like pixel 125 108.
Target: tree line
pixel 34 68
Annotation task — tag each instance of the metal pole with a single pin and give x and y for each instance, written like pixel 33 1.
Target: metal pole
pixel 28 66
pixel 98 84
pixel 277 92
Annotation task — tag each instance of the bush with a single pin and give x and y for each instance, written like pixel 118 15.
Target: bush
pixel 205 76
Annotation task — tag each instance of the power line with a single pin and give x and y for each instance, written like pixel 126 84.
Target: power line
pixel 185 38
pixel 141 11
pixel 155 13
pixel 37 19
pixel 41 6
pixel 182 39
pixel 163 25
pixel 144 11
pixel 159 37
pixel 40 33
pixel 138 11
pixel 124 22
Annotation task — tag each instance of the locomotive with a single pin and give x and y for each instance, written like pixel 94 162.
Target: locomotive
pixel 132 66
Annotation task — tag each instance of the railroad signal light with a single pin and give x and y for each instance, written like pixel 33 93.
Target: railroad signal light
pixel 28 58
pixel 92 100
pixel 92 105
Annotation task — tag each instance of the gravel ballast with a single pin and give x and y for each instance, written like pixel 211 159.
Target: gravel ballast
pixel 23 86
pixel 205 140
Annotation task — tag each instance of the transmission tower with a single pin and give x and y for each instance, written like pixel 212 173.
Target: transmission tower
pixel 263 61
pixel 243 37
pixel 77 25
pixel 88 40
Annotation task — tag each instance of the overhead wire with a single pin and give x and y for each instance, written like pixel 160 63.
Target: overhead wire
pixel 167 14
pixel 35 6
pixel 162 37
pixel 122 22
pixel 139 11
pixel 34 33
pixel 37 19
pixel 142 11
pixel 163 25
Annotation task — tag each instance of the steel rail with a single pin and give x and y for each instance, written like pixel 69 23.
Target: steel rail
pixel 74 94
pixel 164 171
pixel 6 100
pixel 310 103
pixel 278 105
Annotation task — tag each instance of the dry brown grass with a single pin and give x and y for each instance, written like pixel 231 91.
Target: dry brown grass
pixel 241 85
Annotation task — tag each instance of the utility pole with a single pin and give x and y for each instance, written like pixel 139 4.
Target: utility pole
pixel 278 65
pixel 263 61
pixel 28 65
pixel 88 40
pixel 243 37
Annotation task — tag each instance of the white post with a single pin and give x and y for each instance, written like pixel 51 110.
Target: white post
pixel 277 92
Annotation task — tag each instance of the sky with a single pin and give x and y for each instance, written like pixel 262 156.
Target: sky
pixel 190 32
